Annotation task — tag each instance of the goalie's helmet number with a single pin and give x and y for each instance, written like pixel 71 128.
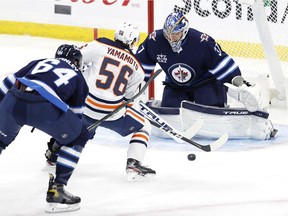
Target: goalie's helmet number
pixel 181 73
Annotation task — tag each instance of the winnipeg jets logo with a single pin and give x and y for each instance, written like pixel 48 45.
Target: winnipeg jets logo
pixel 161 58
pixel 204 37
pixel 182 73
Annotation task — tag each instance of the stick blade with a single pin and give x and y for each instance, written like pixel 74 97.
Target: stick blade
pixel 219 142
pixel 194 129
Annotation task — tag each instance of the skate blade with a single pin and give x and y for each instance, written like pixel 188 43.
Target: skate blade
pixel 58 207
pixel 134 176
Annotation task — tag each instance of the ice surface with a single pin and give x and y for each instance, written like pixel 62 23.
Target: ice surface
pixel 242 178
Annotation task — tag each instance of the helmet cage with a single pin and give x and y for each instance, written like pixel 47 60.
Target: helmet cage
pixel 175 23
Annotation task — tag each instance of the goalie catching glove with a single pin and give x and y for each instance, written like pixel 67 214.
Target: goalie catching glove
pixel 247 94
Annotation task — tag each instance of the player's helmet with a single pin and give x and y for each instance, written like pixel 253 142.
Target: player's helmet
pixel 175 29
pixel 70 52
pixel 127 33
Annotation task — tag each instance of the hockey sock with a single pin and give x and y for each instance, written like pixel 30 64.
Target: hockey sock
pixel 66 163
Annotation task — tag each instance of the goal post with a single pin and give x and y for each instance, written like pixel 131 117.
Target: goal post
pixel 266 11
pixel 273 61
pixel 150 6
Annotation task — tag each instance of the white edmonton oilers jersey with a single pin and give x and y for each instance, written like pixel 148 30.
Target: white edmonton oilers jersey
pixel 113 76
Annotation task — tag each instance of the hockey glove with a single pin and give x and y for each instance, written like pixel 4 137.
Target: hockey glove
pixel 247 94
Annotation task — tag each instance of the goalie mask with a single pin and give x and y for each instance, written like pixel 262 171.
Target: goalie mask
pixel 127 33
pixel 175 29
pixel 71 53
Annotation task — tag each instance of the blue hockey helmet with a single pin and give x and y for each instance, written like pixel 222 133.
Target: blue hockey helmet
pixel 175 29
pixel 70 52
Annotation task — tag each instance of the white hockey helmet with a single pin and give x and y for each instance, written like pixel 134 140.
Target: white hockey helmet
pixel 127 33
pixel 175 29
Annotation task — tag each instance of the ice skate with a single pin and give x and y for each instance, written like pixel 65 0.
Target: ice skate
pixel 60 200
pixel 136 172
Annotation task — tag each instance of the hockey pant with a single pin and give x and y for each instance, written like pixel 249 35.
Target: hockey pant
pixel 211 94
pixel 134 123
pixel 21 108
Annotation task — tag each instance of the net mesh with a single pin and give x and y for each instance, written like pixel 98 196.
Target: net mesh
pixel 242 40
pixel 232 24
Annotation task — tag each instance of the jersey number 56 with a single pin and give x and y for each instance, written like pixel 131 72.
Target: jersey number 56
pixel 113 76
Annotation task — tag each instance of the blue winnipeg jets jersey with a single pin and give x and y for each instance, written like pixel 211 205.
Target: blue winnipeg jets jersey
pixel 57 80
pixel 200 59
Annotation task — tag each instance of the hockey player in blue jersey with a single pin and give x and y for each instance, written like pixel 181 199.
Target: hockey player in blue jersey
pixel 197 69
pixel 49 94
pixel 195 65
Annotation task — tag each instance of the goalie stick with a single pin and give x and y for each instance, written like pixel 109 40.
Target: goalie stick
pixel 97 123
pixel 158 122
pixel 193 130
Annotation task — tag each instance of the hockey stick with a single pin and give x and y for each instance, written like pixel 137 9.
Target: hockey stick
pixel 158 122
pixel 194 129
pixel 189 133
pixel 97 123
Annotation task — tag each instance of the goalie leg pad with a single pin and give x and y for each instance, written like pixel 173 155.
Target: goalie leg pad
pixel 262 129
pixel 237 122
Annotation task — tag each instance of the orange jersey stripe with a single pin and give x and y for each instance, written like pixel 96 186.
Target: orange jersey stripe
pixel 102 105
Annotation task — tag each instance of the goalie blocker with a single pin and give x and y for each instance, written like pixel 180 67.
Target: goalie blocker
pixel 239 123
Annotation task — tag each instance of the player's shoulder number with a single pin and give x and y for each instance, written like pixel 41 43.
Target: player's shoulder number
pixel 48 65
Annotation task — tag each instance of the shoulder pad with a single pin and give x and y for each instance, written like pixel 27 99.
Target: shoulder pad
pixel 152 36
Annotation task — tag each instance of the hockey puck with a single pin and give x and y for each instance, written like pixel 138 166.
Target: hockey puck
pixel 191 157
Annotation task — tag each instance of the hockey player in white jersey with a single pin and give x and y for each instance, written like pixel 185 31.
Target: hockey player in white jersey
pixel 113 75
